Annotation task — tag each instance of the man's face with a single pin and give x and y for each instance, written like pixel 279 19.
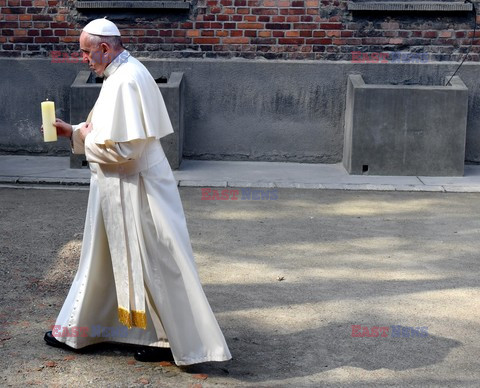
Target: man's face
pixel 97 57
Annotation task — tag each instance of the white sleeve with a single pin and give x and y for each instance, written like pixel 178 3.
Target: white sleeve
pixel 113 152
pixel 76 142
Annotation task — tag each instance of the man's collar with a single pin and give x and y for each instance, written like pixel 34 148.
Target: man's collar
pixel 115 64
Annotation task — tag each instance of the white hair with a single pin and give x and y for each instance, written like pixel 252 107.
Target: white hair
pixel 114 42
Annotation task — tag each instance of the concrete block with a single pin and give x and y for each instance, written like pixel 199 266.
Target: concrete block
pixel 85 90
pixel 405 129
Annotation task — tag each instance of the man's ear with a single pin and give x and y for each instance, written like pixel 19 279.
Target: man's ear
pixel 104 47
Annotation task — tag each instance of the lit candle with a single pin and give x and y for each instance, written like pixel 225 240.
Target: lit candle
pixel 48 118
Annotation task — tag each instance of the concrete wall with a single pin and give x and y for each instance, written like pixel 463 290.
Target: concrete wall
pixel 235 109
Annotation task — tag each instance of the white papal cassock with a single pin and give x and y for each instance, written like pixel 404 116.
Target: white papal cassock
pixel 136 267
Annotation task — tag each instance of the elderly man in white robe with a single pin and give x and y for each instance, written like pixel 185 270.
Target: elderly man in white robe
pixel 136 269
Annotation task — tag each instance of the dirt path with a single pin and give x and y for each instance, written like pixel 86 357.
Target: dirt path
pixel 287 279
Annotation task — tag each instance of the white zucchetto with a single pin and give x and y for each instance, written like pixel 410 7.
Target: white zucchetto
pixel 102 27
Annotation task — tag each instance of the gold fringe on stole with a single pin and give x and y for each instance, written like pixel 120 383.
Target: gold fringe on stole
pixel 133 319
pixel 139 319
pixel 124 317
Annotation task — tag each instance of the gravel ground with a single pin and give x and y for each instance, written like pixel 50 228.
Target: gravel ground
pixel 286 278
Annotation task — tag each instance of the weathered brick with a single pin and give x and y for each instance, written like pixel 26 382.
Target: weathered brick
pixel 193 33
pixel 22 39
pixel 206 40
pixel 201 25
pixel 319 33
pixel 298 4
pixel 305 26
pixel 333 33
pixel 306 18
pixel 354 42
pixel 74 39
pixel 33 10
pixel 323 27
pixel 374 40
pixel 430 34
pixel 331 26
pixel 277 26
pixel 240 40
pixel 318 41
pixel 49 39
pixel 265 11
pixel 244 26
pixel 41 17
pixel 295 41
pixel 151 39
pixel 292 34
pixel 396 41
pixel 14 10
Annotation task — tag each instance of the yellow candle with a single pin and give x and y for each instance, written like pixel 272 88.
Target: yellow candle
pixel 48 118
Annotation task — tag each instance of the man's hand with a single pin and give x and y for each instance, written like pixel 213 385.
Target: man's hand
pixel 63 129
pixel 85 129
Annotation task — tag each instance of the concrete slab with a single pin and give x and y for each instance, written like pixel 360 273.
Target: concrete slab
pixel 201 173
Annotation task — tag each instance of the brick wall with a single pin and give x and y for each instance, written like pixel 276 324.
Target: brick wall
pixel 270 29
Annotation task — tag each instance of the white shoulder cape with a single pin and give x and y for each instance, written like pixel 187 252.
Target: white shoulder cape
pixel 130 105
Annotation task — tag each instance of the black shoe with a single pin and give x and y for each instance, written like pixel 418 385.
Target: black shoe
pixel 52 341
pixel 153 354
